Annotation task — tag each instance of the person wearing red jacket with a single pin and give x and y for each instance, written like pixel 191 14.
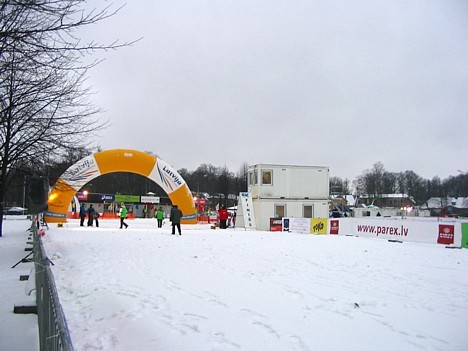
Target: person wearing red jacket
pixel 223 216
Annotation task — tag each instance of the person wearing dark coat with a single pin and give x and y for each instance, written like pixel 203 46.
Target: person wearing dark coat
pixel 82 215
pixel 96 218
pixel 175 217
pixel 90 215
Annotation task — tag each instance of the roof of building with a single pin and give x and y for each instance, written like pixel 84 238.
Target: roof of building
pixel 437 202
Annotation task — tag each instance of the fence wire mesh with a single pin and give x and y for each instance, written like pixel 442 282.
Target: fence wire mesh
pixel 53 330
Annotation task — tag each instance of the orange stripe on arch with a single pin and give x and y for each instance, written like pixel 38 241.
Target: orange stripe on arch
pixel 124 160
pixel 182 197
pixel 60 197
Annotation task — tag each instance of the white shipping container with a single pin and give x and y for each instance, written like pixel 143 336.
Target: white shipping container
pixel 283 181
pixel 288 191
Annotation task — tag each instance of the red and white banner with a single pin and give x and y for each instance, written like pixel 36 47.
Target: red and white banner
pixel 446 234
pixel 334 226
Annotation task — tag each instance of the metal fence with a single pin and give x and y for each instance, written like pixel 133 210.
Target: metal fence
pixel 53 329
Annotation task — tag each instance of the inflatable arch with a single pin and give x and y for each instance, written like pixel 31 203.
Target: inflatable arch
pixel 119 160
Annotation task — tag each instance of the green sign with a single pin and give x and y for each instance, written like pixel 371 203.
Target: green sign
pixel 464 235
pixel 127 198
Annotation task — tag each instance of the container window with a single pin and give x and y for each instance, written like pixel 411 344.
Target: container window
pixel 267 177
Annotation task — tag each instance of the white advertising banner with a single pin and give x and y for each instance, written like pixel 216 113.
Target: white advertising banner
pixel 245 212
pixel 166 176
pixel 297 225
pixel 81 172
pixel 150 199
pixel 430 231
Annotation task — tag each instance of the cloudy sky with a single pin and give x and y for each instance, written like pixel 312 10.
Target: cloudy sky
pixel 343 84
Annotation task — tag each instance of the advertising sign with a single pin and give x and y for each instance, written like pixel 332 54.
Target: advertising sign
pixel 81 172
pixel 166 176
pixel 334 226
pixel 276 225
pixel 94 197
pixel 247 210
pixel 425 230
pixel 446 234
pixel 82 196
pixel 299 225
pixel 319 226
pixel 107 198
pixel 150 199
pixel 201 202
pixel 464 228
pixel 127 198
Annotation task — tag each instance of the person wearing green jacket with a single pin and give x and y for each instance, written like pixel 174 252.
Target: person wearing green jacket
pixel 123 215
pixel 160 217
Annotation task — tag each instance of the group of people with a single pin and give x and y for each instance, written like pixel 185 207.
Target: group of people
pixel 93 215
pixel 175 217
pixel 226 219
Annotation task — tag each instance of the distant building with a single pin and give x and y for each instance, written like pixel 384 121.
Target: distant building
pixel 388 205
pixel 387 200
pixel 449 206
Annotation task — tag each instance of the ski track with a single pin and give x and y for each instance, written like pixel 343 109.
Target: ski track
pixel 177 291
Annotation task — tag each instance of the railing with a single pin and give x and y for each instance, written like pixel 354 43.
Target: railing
pixel 53 329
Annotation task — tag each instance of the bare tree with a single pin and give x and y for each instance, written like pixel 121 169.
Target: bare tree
pixel 241 176
pixel 339 186
pixel 370 182
pixel 44 104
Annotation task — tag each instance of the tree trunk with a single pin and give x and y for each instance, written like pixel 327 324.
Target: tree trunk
pixel 1 218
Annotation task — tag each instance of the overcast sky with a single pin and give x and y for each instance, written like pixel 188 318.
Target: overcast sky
pixel 343 84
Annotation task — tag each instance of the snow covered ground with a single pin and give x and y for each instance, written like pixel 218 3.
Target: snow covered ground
pixel 18 332
pixel 142 288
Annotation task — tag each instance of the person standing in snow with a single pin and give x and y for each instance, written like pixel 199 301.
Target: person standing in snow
pixel 175 217
pixel 223 216
pixel 82 215
pixel 96 218
pixel 160 217
pixel 123 215
pixel 90 215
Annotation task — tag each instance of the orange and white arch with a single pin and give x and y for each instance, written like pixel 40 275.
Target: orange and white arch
pixel 119 160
